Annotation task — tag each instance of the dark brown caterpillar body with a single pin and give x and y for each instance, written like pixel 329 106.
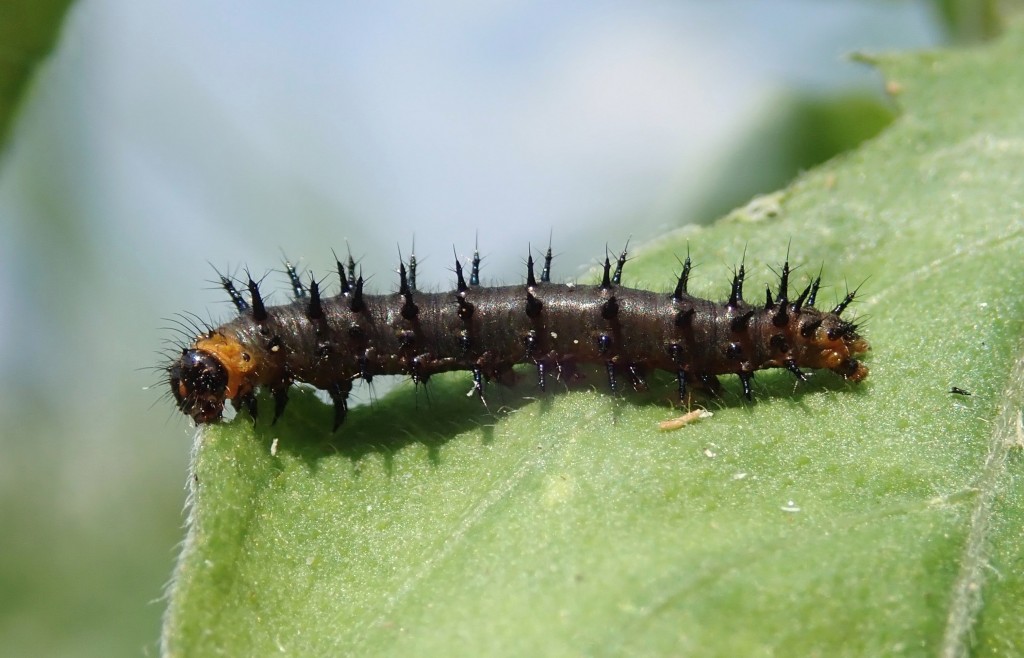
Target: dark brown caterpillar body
pixel 330 342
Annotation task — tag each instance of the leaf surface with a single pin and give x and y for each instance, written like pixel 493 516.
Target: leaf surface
pixel 825 519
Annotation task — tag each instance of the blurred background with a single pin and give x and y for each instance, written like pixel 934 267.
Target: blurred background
pixel 159 138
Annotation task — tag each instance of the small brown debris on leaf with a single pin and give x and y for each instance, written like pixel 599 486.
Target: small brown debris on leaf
pixel 684 420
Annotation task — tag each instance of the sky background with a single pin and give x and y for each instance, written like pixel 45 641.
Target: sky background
pixel 163 137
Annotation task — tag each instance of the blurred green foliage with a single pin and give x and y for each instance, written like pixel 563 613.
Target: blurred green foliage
pixel 28 31
pixel 970 21
pixel 800 132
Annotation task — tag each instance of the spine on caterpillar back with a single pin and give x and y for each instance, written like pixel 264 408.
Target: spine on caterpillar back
pixel 330 342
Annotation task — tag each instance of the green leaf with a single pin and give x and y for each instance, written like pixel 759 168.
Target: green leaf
pixel 28 31
pixel 825 519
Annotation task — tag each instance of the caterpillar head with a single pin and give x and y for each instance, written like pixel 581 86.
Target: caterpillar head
pixel 834 344
pixel 199 383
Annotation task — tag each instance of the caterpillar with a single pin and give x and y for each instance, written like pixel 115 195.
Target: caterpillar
pixel 329 342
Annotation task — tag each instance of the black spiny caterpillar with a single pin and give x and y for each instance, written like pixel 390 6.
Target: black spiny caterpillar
pixel 329 342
